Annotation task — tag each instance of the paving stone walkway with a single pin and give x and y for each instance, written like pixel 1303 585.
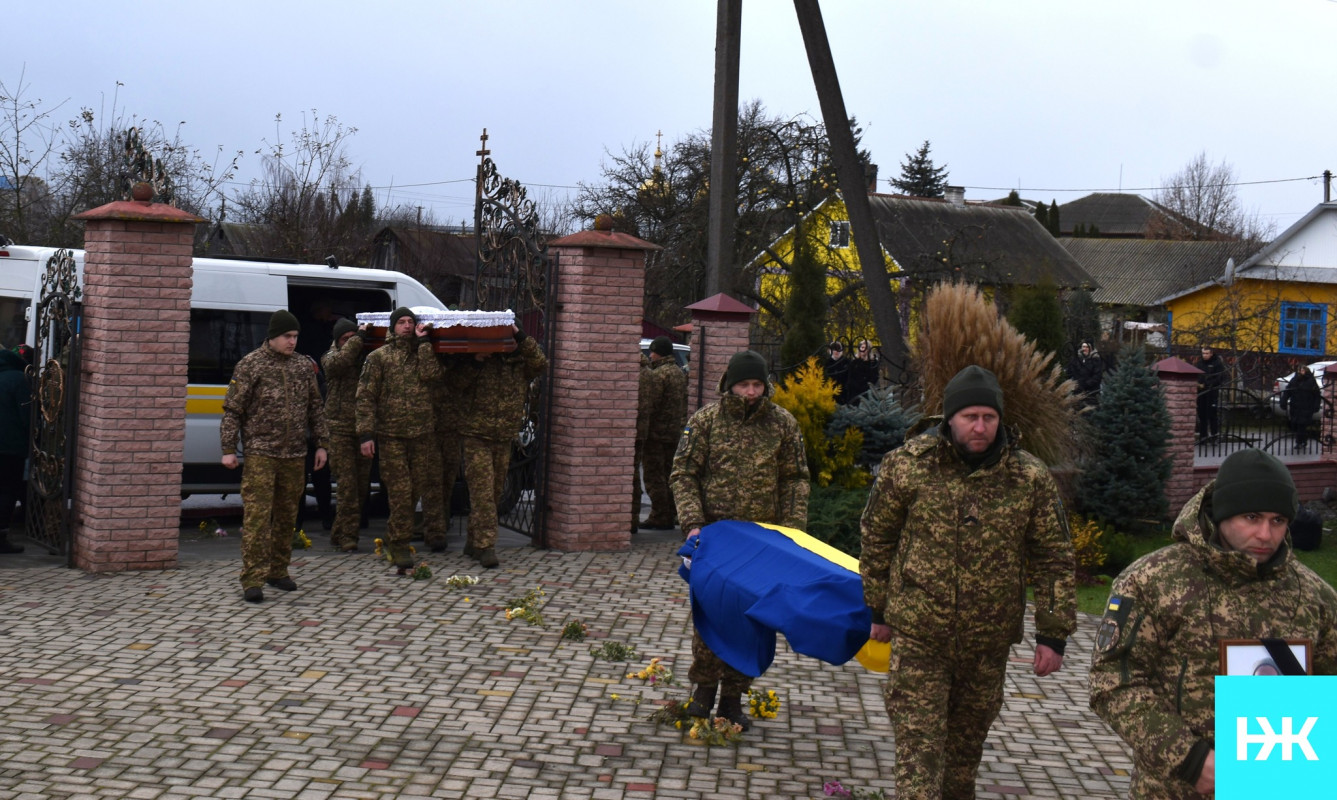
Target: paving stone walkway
pixel 362 684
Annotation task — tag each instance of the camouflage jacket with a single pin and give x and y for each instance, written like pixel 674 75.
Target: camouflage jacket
pixel 342 366
pixel 948 551
pixel 272 404
pixel 665 407
pixel 394 393
pixel 451 395
pixel 732 464
pixel 1158 646
pixel 497 390
pixel 644 388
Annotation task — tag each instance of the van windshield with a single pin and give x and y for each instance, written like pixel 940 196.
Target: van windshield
pixel 12 322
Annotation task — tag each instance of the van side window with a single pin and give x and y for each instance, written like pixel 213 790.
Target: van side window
pixel 12 323
pixel 219 339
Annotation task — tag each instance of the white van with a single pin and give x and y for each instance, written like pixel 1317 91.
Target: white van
pixel 230 305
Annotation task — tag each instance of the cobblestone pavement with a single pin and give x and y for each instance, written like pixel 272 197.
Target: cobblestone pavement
pixel 362 684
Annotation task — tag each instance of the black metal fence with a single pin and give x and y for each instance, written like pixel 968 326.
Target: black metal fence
pixel 1230 419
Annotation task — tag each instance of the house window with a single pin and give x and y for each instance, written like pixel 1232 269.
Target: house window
pixel 1304 329
pixel 840 234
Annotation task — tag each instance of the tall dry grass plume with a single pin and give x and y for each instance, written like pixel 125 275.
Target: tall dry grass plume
pixel 961 327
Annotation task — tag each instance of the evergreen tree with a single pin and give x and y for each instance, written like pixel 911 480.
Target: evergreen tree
pixel 1037 315
pixel 1081 319
pixel 919 177
pixel 882 419
pixel 805 310
pixel 1093 230
pixel 1078 231
pixel 1053 218
pixel 1123 484
pixel 1042 215
pixel 1012 199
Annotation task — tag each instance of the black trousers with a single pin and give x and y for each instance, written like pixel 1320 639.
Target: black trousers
pixel 12 486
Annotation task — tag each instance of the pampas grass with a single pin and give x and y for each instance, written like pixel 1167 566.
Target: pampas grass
pixel 961 327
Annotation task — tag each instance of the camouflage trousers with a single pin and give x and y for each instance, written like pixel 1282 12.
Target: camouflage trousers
pixel 409 468
pixel 941 704
pixel 636 489
pixel 352 474
pixel 271 488
pixel 658 463
pixel 485 465
pixel 450 468
pixel 709 669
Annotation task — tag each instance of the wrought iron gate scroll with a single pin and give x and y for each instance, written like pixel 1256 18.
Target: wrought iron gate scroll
pixel 54 380
pixel 514 271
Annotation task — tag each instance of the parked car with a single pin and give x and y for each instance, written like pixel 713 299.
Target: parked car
pixel 1280 384
pixel 681 352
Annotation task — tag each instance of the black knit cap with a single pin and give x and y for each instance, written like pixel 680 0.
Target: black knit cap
pixel 402 311
pixel 972 386
pixel 1252 480
pixel 662 345
pixel 744 365
pixel 282 322
pixel 344 325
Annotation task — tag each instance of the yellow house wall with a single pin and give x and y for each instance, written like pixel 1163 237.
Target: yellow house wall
pixel 1246 315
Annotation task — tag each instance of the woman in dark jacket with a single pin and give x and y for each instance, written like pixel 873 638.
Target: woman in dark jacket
pixel 1301 401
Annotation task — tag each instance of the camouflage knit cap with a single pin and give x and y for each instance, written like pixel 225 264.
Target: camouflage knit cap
pixel 1251 480
pixel 282 322
pixel 972 386
pixel 743 366
pixel 401 312
pixel 662 345
pixel 344 325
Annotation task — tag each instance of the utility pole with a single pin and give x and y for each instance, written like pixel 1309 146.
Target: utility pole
pixel 724 149
pixel 853 189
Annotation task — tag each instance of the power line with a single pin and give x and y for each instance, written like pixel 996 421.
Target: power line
pixel 1138 188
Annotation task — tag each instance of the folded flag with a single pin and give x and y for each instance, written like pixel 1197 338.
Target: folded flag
pixel 749 581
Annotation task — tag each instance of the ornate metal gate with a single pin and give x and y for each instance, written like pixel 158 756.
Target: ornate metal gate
pixel 514 271
pixel 54 379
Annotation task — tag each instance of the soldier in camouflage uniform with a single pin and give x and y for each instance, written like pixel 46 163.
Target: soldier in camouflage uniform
pixel 666 410
pixel 272 404
pixel 497 387
pixel 352 470
pixel 643 383
pixel 959 520
pixel 394 417
pixel 449 401
pixel 1229 575
pixel 739 458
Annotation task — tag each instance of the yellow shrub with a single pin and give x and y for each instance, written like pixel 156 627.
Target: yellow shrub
pixel 811 398
pixel 1088 545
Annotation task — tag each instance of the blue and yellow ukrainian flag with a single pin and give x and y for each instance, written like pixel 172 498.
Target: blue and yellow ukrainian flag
pixel 749 581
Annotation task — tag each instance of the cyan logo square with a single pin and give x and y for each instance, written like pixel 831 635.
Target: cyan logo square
pixel 1273 732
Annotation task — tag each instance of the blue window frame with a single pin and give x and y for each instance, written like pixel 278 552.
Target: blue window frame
pixel 1304 329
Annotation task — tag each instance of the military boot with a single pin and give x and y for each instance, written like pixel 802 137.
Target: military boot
pixel 487 558
pixel 731 708
pixel 702 700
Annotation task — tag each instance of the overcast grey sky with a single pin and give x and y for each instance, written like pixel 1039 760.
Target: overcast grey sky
pixel 1054 98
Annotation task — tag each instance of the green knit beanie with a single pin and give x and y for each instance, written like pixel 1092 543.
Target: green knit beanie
pixel 662 345
pixel 972 386
pixel 744 365
pixel 1251 480
pixel 344 325
pixel 401 312
pixel 282 322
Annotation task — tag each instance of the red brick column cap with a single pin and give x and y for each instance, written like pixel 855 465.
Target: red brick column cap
pixel 720 307
pixel 1176 367
pixel 612 239
pixel 1331 369
pixel 136 211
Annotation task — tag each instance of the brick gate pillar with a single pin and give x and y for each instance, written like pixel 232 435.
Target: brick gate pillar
pixel 593 385
pixel 132 392
pixel 720 326
pixel 1179 379
pixel 1328 419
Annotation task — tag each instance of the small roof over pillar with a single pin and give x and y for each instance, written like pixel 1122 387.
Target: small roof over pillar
pixel 721 304
pixel 138 211
pixel 1174 365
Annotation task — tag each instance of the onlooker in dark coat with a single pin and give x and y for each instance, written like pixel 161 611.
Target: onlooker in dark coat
pixel 15 400
pixel 837 370
pixel 863 372
pixel 1211 380
pixel 1301 401
pixel 1087 368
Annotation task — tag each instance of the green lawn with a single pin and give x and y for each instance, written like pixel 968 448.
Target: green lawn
pixel 1091 599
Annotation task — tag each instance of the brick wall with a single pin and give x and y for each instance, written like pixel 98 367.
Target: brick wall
pixel 593 385
pixel 132 402
pixel 715 338
pixel 1181 392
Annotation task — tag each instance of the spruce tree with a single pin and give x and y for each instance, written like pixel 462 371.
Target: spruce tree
pixel 1123 483
pixel 1012 199
pixel 1042 215
pixel 1053 219
pixel 919 178
pixel 805 310
pixel 1037 315
pixel 1081 318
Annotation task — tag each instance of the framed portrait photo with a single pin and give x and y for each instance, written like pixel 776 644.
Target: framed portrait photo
pixel 1256 657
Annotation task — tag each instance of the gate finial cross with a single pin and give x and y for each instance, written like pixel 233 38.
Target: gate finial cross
pixel 484 152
